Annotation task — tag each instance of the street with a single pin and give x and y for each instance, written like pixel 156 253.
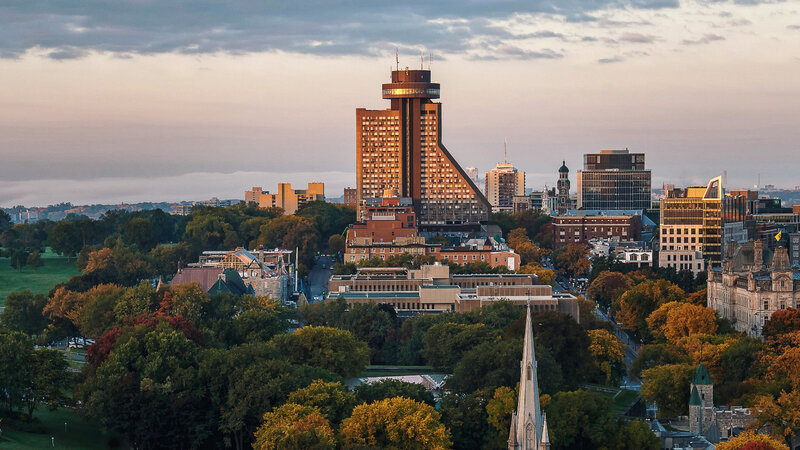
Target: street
pixel 319 276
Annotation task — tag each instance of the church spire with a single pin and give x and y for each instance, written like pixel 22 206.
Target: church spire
pixel 526 431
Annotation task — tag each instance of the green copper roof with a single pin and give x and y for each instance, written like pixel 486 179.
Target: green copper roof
pixel 563 167
pixel 702 376
pixel 695 400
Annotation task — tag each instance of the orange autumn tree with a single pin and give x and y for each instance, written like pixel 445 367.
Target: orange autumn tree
pixel 782 415
pixel 750 440
pixel 395 423
pixel 675 320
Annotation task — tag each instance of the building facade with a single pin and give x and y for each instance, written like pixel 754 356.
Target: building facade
pixel 691 220
pixel 503 183
pixel 350 196
pixel 285 197
pixel 753 283
pixel 614 179
pixel 578 227
pixel 400 148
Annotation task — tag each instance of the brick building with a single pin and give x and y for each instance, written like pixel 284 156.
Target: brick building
pixel 581 226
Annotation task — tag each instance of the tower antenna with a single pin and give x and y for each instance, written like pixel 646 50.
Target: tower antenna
pixel 430 57
pixel 397 57
pixel 505 148
pixel 421 60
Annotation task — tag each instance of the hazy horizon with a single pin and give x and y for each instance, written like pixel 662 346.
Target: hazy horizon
pixel 151 102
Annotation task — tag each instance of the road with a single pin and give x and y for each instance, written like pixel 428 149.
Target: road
pixel 318 277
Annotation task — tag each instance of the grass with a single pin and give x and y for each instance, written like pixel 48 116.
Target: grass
pixel 55 270
pixel 80 434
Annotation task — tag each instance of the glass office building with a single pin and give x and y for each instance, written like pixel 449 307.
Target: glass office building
pixel 614 179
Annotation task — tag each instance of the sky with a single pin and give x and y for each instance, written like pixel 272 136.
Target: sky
pixel 164 100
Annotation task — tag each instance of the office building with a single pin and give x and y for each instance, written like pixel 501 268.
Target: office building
pixel 285 197
pixel 350 197
pixel 753 283
pixel 614 179
pixel 691 221
pixel 503 183
pixel 401 148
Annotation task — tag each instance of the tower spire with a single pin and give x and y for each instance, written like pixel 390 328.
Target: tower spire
pixel 505 149
pixel 527 424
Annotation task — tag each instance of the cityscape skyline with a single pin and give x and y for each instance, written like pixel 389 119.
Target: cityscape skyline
pixel 688 82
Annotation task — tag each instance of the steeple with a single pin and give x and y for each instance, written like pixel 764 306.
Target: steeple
pixel 527 429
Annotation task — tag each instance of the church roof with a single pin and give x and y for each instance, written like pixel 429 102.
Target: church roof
pixel 528 413
pixel 563 167
pixel 701 377
pixel 695 399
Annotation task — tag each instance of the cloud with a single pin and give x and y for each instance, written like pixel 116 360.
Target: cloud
pixel 348 27
pixel 637 38
pixel 705 39
pixel 793 27
pixel 611 60
pixel 513 52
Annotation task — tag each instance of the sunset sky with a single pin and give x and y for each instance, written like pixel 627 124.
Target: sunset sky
pixel 166 100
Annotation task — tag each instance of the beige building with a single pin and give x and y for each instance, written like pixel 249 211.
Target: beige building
pixel 285 197
pixel 432 289
pixel 691 222
pixel 752 284
pixel 502 184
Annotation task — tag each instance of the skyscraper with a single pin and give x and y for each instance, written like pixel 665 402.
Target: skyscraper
pixel 614 179
pixel 502 184
pixel 400 148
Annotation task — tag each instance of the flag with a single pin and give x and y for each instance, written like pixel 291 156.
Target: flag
pixel 778 236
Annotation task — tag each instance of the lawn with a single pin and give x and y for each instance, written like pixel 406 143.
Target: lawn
pixel 80 434
pixel 55 270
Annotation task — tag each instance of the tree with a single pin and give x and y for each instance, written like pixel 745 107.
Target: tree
pixel 65 238
pixel 566 341
pixel 782 415
pixel 607 287
pixel 738 361
pixel 445 343
pixel 668 387
pixel 653 355
pixel 141 233
pixel 488 365
pixel 579 420
pixel 16 354
pixel 19 259
pixel 544 276
pixel 328 218
pixel 572 260
pixel 328 348
pixel 609 355
pixel 782 321
pixel 638 302
pixel 750 440
pixel 336 244
pixel 49 380
pixel 96 314
pixel 210 232
pixel 396 423
pixel 333 400
pixel 294 426
pixel 383 389
pixel 291 232
pixel 136 301
pixel 5 221
pixel 634 435
pixel 62 308
pixel 34 260
pixel 498 413
pixel 466 418
pixel 676 320
pixel 23 312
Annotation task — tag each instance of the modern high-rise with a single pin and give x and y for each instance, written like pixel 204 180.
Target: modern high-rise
pixel 401 149
pixel 502 184
pixel 614 179
pixel 285 197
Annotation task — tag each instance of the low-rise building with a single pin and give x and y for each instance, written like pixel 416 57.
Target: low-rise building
pixel 268 272
pixel 432 289
pixel 691 260
pixel 580 226
pixel 752 284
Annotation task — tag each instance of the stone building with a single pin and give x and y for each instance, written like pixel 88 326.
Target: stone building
pixel 752 284
pixel 715 424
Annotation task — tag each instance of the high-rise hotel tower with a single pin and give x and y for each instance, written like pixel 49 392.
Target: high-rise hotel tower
pixel 401 149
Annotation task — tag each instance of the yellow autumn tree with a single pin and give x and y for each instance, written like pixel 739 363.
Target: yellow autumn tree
pixel 294 426
pixel 782 415
pixel 608 353
pixel 545 276
pixel 395 423
pixel 751 437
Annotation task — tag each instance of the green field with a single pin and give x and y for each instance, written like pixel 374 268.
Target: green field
pixel 80 434
pixel 55 270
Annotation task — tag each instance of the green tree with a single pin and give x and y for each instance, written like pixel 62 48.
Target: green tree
pixel 466 418
pixel 292 232
pixel 23 312
pixel 16 355
pixel 333 400
pixel 34 260
pixel 446 343
pixel 96 314
pixel 498 411
pixel 336 244
pixel 608 354
pixel 607 287
pixel 668 387
pixel 210 232
pixel 488 365
pixel 5 221
pixel 383 389
pixel 652 355
pixel 395 423
pixel 580 420
pixel 141 233
pixel 638 302
pixel 634 435
pixel 19 259
pixel 294 426
pixel 138 300
pixel 49 380
pixel 65 238
pixel 328 348
pixel 329 218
